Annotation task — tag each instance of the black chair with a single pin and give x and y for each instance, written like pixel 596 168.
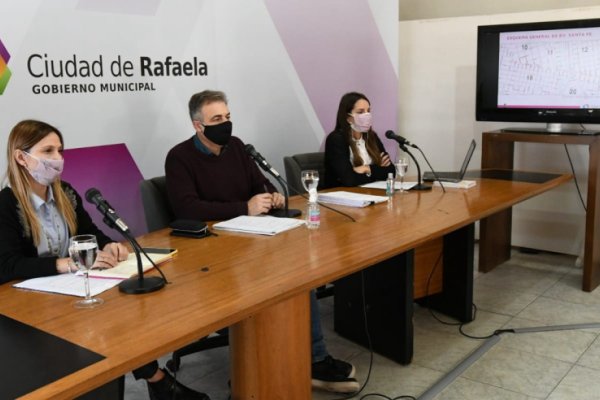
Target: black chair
pixel 157 208
pixel 298 162
pixel 294 165
pixel 159 214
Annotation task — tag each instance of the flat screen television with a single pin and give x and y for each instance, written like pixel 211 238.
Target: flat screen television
pixel 539 72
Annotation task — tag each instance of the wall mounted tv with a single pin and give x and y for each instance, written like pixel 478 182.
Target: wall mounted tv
pixel 539 72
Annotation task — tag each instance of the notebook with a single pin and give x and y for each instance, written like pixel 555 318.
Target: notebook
pixel 453 176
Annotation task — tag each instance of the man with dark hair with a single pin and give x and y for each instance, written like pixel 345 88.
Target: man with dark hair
pixel 210 177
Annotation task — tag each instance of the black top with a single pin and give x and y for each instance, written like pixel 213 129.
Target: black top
pixel 339 171
pixel 18 255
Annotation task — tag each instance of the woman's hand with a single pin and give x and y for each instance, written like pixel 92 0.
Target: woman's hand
pixel 65 265
pixel 385 159
pixel 110 256
pixel 118 251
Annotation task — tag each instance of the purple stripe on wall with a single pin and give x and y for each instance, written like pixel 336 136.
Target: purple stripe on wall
pixel 336 48
pixel 112 171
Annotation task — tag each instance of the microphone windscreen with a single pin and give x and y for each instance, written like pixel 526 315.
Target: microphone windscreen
pixel 249 149
pixel 390 134
pixel 91 194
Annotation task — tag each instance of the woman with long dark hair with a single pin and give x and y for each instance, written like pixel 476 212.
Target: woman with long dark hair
pixel 354 155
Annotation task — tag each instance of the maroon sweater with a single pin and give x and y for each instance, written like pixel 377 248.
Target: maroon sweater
pixel 207 187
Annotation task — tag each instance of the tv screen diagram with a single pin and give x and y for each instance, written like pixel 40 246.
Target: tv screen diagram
pixel 549 69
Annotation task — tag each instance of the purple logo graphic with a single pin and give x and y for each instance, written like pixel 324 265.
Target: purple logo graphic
pixel 4 71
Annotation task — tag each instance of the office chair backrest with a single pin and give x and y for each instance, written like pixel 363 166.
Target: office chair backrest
pixel 157 209
pixel 298 162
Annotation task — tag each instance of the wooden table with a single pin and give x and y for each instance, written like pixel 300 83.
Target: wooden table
pixel 257 285
pixel 498 152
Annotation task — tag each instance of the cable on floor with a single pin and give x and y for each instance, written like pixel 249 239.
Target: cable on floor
pixel 457 323
pixel 354 395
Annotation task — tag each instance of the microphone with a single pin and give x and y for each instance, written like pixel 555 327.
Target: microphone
pixel 111 218
pixel 137 285
pixel 401 140
pixel 260 160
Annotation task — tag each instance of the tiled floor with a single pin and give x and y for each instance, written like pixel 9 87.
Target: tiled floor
pixel 529 290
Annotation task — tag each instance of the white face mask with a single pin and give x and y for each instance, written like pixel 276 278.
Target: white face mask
pixel 46 170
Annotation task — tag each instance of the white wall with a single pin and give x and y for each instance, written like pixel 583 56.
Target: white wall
pixel 437 111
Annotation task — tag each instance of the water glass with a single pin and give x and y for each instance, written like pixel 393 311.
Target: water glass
pixel 83 250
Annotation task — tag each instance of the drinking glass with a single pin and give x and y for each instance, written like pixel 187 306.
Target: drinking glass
pixel 310 180
pixel 83 250
pixel 401 169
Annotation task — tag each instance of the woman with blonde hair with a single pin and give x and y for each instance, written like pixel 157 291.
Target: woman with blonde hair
pixel 39 213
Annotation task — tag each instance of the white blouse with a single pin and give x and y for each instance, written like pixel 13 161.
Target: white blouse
pixel 362 151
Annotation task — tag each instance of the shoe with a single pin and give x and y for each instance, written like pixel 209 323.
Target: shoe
pixel 169 389
pixel 334 376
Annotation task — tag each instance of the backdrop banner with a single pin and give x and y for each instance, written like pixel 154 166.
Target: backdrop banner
pixel 108 72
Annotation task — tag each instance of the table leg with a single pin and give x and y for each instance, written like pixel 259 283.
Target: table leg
pixel 591 261
pixel 495 230
pixel 388 289
pixel 270 353
pixel 456 298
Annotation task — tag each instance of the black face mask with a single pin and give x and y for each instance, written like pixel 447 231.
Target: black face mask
pixel 219 134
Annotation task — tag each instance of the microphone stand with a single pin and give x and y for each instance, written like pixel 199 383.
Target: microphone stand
pixel 262 163
pixel 139 285
pixel 285 213
pixel 419 185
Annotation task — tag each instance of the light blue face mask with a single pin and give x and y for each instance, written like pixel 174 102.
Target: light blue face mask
pixel 46 171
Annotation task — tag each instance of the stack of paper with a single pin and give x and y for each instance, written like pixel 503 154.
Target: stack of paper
pixel 350 199
pixel 382 185
pixel 262 225
pixel 69 284
pixel 73 284
pixel 459 185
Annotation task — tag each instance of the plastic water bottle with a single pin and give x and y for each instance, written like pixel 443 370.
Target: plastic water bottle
pixel 389 186
pixel 313 212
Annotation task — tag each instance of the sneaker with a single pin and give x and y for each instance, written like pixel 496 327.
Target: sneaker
pixel 334 376
pixel 168 388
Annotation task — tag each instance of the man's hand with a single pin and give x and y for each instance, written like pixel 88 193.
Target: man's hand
pixel 260 204
pixel 278 200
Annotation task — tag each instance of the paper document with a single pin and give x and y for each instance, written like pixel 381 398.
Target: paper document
pixel 70 284
pixel 262 225
pixel 382 185
pixel 128 268
pixel 459 185
pixel 350 199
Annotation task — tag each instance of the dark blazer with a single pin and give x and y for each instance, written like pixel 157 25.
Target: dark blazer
pixel 18 255
pixel 339 171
